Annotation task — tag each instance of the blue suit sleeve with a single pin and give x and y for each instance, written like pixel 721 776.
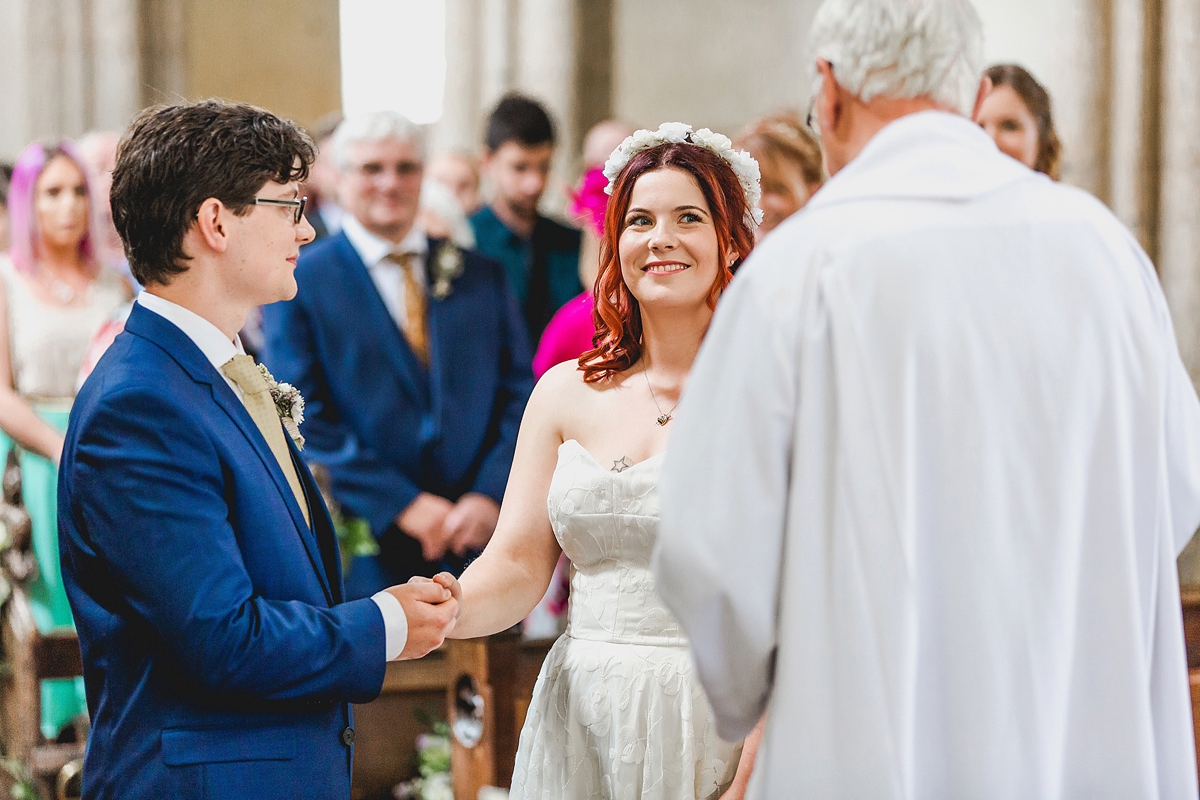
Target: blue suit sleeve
pixel 516 384
pixel 155 511
pixel 369 486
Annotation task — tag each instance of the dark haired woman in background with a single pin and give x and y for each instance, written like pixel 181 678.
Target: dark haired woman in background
pixel 1016 114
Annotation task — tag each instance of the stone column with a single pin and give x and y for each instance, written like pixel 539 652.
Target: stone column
pixel 1179 196
pixel 498 45
pixel 15 86
pixel 1179 224
pixel 116 63
pixel 1082 111
pixel 546 70
pixel 162 35
pixel 459 129
pixel 1134 126
pixel 69 66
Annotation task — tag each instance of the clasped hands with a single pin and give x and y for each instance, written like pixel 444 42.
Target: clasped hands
pixel 431 607
pixel 440 525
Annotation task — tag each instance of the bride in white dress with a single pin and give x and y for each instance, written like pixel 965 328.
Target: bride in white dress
pixel 617 711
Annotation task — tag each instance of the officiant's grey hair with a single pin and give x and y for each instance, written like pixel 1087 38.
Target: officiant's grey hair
pixel 903 48
pixel 373 126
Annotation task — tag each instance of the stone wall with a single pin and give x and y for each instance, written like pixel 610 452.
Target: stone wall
pixel 70 66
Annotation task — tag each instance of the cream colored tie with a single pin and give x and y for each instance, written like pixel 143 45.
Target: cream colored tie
pixel 415 327
pixel 256 396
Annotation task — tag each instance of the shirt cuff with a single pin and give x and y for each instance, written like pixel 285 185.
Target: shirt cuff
pixel 395 624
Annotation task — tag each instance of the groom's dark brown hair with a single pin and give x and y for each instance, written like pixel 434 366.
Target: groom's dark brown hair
pixel 173 158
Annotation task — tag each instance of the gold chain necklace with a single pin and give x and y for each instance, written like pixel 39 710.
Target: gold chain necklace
pixel 663 419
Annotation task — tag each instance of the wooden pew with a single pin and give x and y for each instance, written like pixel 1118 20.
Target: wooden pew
pixel 1190 595
pixel 30 656
pixel 491 678
pixel 33 657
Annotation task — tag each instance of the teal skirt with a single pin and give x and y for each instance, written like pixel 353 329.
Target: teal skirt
pixel 62 699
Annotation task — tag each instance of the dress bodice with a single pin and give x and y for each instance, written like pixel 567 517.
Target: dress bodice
pixel 607 523
pixel 617 710
pixel 47 342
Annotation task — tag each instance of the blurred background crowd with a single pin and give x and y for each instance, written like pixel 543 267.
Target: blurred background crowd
pixel 486 123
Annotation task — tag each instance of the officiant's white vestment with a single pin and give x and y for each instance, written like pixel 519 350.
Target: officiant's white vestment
pixel 932 469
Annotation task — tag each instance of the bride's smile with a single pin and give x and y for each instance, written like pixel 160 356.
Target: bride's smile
pixel 665 267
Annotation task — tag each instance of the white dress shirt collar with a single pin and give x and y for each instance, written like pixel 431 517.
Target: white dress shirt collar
pixel 372 249
pixel 206 336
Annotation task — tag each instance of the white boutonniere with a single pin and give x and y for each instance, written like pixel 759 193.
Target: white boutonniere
pixel 289 405
pixel 447 266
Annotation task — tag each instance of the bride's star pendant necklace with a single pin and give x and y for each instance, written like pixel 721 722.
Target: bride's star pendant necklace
pixel 663 419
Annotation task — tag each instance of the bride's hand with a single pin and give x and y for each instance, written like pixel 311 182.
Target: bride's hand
pixel 451 583
pixel 447 582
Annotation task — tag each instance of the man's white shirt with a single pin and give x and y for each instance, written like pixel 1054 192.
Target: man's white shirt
pixel 386 273
pixel 218 350
pixel 333 217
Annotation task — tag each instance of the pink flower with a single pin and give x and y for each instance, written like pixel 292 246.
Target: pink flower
pixel 589 202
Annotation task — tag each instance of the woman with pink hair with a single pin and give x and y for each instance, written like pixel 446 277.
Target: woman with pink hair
pixel 53 296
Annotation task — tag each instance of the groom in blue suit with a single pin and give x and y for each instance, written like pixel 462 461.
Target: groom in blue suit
pixel 414 360
pixel 220 655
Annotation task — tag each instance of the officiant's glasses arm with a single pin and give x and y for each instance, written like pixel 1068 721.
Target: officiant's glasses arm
pixel 810 119
pixel 297 204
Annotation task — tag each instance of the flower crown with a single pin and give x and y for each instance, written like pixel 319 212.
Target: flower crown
pixel 744 167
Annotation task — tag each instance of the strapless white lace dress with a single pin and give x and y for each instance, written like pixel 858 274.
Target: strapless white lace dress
pixel 617 711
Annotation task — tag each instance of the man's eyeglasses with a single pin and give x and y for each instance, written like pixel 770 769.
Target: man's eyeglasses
pixel 297 204
pixel 403 169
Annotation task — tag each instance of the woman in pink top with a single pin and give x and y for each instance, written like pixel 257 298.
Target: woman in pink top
pixel 570 331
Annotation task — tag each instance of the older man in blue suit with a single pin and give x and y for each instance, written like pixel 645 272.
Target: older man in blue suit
pixel 414 359
pixel 219 654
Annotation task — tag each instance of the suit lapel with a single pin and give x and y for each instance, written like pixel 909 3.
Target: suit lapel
pixel 145 323
pixel 323 531
pixel 378 321
pixel 237 412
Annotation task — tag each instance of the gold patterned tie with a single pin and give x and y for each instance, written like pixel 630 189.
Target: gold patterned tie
pixel 415 330
pixel 256 396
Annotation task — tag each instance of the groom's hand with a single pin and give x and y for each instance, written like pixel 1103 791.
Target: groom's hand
pixel 430 609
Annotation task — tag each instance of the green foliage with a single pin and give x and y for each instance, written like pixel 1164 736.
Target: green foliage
pixel 433 760
pixel 433 749
pixel 24 787
pixel 354 538
pixel 433 755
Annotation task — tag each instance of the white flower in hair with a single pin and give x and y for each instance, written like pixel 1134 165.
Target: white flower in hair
pixel 744 167
pixel 676 132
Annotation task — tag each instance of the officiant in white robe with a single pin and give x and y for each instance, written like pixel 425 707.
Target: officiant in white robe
pixel 934 464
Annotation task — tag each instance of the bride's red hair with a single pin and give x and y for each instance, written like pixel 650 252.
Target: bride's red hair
pixel 618 319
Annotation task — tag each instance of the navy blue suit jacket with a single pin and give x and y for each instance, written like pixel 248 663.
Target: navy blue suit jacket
pixel 387 428
pixel 218 655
